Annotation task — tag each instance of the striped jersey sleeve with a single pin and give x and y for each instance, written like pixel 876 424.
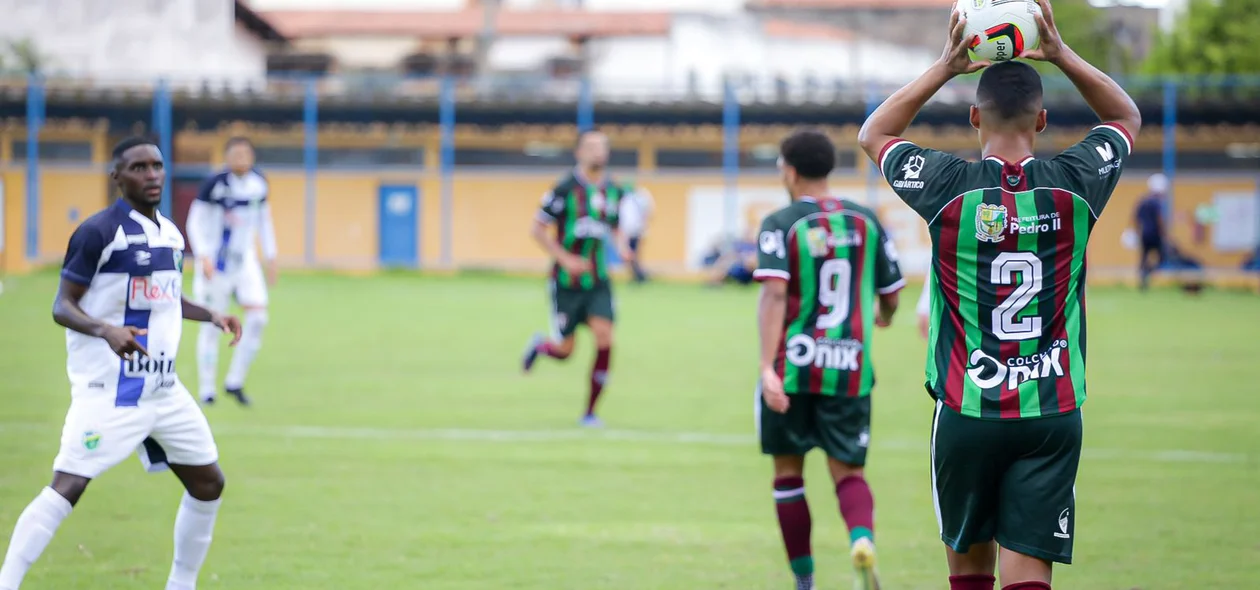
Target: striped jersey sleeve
pixel 552 207
pixel 1092 167
pixel 924 178
pixel 772 259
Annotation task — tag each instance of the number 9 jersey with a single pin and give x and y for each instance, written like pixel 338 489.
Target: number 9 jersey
pixel 835 257
pixel 1007 337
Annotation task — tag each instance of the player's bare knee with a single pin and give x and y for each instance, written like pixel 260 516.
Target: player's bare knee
pixel 841 471
pixel 980 559
pixel 789 466
pixel 203 483
pixel 70 487
pixel 1015 567
pixel 564 348
pixel 604 337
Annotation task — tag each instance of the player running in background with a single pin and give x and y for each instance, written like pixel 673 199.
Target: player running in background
pixel 121 296
pixel 584 207
pixel 230 213
pixel 829 274
pixel 1006 350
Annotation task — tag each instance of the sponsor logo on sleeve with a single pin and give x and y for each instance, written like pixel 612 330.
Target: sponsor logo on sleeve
pixel 910 172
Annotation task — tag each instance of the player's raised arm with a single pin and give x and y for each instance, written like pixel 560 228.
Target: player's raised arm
pixel 1103 95
pixel 894 116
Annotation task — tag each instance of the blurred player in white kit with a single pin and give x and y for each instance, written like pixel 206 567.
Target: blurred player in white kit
pixel 231 212
pixel 121 302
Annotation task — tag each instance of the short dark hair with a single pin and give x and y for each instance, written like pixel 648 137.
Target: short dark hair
pixel 136 140
pixel 237 140
pixel 585 132
pixel 1009 89
pixel 810 152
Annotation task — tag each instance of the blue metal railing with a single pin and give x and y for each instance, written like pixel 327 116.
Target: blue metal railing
pixel 737 105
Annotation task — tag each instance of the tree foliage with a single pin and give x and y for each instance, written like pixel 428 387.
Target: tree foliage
pixel 1210 37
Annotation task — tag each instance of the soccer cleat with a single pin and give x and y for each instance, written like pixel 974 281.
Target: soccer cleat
pixel 240 396
pixel 863 554
pixel 531 353
pixel 208 400
pixel 591 421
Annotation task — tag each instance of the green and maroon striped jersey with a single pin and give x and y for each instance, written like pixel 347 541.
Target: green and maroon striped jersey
pixel 1007 337
pixel 835 257
pixel 585 215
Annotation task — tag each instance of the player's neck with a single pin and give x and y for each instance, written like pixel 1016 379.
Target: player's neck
pixel 592 174
pixel 144 209
pixel 1008 148
pixel 812 190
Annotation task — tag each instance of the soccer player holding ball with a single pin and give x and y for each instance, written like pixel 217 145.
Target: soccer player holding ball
pixel 1006 347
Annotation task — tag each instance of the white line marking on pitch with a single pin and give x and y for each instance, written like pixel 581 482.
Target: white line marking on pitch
pixel 615 435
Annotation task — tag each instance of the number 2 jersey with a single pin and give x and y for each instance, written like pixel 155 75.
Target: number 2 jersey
pixel 835 257
pixel 1007 337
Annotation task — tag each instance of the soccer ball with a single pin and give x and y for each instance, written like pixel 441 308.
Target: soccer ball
pixel 1000 30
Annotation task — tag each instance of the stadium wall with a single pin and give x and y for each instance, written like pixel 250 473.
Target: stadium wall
pixel 491 213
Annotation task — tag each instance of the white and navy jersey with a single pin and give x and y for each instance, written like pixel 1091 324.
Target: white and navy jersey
pixel 229 214
pixel 132 267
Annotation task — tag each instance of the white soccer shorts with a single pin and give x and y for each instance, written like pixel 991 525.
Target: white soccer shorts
pixel 245 282
pixel 167 428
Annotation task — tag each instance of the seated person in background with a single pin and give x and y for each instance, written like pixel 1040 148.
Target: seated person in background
pixel 732 260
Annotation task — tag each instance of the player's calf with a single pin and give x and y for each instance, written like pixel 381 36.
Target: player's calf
pixel 194 523
pixel 246 351
pixel 539 345
pixel 857 507
pixel 795 522
pixel 36 526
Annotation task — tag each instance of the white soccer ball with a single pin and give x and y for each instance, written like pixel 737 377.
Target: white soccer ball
pixel 1000 30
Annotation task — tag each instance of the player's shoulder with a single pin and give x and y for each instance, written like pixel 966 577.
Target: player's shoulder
pixel 220 177
pixel 256 171
pixel 214 187
pixel 784 217
pixel 101 226
pixel 565 184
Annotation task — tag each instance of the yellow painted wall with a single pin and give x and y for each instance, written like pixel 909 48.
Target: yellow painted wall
pixel 13 257
pixel 492 215
pixel 288 211
pixel 346 220
pixel 83 192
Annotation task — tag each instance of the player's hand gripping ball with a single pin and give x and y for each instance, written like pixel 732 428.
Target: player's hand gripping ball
pixel 1000 30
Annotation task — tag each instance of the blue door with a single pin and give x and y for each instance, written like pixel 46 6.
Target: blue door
pixel 399 204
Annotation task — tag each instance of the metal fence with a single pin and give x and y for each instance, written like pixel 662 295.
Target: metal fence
pixel 1168 104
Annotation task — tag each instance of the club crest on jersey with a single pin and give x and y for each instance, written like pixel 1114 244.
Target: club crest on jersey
pixel 816 240
pixel 91 440
pixel 990 223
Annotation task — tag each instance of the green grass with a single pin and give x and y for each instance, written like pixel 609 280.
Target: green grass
pixel 402 485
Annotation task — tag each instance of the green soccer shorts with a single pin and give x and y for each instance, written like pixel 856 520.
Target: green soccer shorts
pixel 1013 481
pixel 571 308
pixel 839 425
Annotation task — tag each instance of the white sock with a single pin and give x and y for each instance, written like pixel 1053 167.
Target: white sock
pixel 247 348
pixel 194 527
pixel 35 528
pixel 208 359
